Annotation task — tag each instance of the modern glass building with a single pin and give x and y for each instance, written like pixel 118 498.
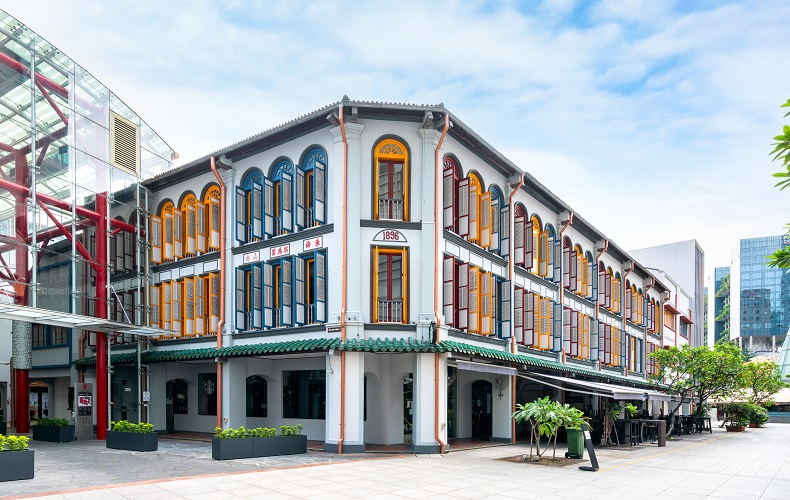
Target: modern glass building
pixel 721 304
pixel 759 295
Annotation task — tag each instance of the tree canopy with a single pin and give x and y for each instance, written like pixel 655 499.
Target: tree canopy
pixel 760 380
pixel 781 153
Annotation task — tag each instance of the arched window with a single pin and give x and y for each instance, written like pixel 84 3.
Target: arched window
pixel 391 181
pixel 186 221
pixel 281 200
pixel 311 190
pixel 539 261
pixel 521 247
pixel 604 286
pixel 251 222
pixel 616 292
pixel 451 176
pixel 257 397
pixel 475 210
pixel 592 278
pixel 553 255
pixel 163 234
pixel 495 227
pixel 212 201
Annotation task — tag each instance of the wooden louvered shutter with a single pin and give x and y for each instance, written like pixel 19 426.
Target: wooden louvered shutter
pixel 616 293
pixel 241 215
pixel 545 323
pixel 505 305
pixel 531 318
pixel 463 296
pixel 448 198
pixel 286 292
pixel 300 288
pixel 268 207
pixel 166 304
pixel 214 212
pixel 117 251
pixel 202 227
pixel 242 300
pixel 474 214
pixel 594 339
pixel 575 316
pixel 474 300
pixel 256 209
pixel 268 294
pixel 495 231
pixel 213 302
pixel 529 237
pixel 504 228
pixel 518 314
pixel 557 260
pixel 300 199
pixel 178 232
pixel 602 287
pixel 154 303
pixel 628 303
pixel 320 287
pixel 463 207
pixel 200 305
pixel 566 329
pixel 319 193
pixel 189 306
pixel 566 266
pixel 519 253
pixel 191 233
pixel 256 299
pixel 177 304
pixel 449 289
pixel 543 254
pixel 286 202
pixel 168 222
pixel 485 220
pixel 486 304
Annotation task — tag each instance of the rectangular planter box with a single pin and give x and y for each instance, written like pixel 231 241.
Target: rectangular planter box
pixel 16 465
pixel 229 449
pixel 53 434
pixel 294 445
pixel 132 441
pixel 267 447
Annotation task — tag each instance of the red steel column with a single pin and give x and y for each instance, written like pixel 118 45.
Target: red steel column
pixel 21 375
pixel 101 312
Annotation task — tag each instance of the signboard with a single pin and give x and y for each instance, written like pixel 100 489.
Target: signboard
pixel 83 417
pixel 252 257
pixel 312 243
pixel 390 236
pixel 146 396
pixel 84 401
pixel 279 251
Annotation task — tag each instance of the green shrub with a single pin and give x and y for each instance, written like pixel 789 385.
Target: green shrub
pixel 14 443
pixel 758 415
pixel 53 422
pixel 291 430
pixel 126 426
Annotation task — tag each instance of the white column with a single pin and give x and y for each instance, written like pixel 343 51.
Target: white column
pixel 422 204
pixel 423 423
pixel 501 395
pixel 234 391
pixel 354 425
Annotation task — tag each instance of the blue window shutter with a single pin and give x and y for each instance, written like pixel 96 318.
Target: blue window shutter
pixel 268 207
pixel 556 330
pixel 286 292
pixel 504 231
pixel 241 215
pixel 496 229
pixel 593 274
pixel 268 295
pixel 257 210
pixel 557 260
pixel 320 286
pixel 505 309
pixel 566 329
pixel 593 339
pixel 241 299
pixel 300 290
pixel 257 297
pixel 623 348
pixel 319 192
pixel 300 201
pixel 286 202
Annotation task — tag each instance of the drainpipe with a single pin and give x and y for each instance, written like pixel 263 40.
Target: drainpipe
pixel 221 322
pixel 513 347
pixel 437 193
pixel 561 292
pixel 344 293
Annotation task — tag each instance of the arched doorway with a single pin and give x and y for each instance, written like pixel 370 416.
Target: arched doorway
pixel 482 421
pixel 39 400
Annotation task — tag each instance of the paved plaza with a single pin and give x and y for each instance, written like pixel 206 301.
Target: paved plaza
pixel 750 465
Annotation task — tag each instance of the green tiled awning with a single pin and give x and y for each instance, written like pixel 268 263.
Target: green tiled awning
pixel 385 345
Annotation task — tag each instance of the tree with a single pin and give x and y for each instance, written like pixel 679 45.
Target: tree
pixel 759 381
pixel 699 372
pixel 781 152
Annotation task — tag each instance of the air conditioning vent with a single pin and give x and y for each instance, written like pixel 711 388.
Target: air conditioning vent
pixel 124 144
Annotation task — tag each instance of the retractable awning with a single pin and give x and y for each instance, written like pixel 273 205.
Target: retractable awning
pixel 617 392
pixel 485 368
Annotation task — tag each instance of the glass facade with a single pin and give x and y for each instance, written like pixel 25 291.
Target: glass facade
pixel 72 161
pixel 764 292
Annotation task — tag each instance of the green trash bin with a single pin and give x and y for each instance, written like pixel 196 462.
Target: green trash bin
pixel 575 443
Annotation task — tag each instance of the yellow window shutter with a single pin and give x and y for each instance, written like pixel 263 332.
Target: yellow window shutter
pixel 405 281
pixel 375 275
pixel 485 220
pixel 543 254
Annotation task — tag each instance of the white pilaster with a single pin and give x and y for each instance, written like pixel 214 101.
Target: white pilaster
pixel 423 423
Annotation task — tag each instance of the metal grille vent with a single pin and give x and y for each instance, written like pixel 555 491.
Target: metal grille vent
pixel 125 144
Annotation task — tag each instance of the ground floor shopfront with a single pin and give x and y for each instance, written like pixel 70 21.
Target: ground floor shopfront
pixel 395 392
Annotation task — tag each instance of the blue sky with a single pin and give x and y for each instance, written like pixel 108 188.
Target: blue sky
pixel 652 119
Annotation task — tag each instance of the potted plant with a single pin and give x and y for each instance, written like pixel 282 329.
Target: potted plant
pixel 293 442
pixel 265 442
pixel 631 410
pixel 124 435
pixel 16 466
pixel 544 417
pixel 736 416
pixel 573 419
pixel 54 430
pixel 231 444
pixel 758 415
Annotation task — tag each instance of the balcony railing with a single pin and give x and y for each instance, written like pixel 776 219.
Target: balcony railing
pixel 390 311
pixel 390 208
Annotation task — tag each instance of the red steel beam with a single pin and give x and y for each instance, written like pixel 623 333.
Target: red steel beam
pixel 102 376
pixel 65 232
pixel 52 102
pixel 25 71
pixel 52 136
pixel 21 291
